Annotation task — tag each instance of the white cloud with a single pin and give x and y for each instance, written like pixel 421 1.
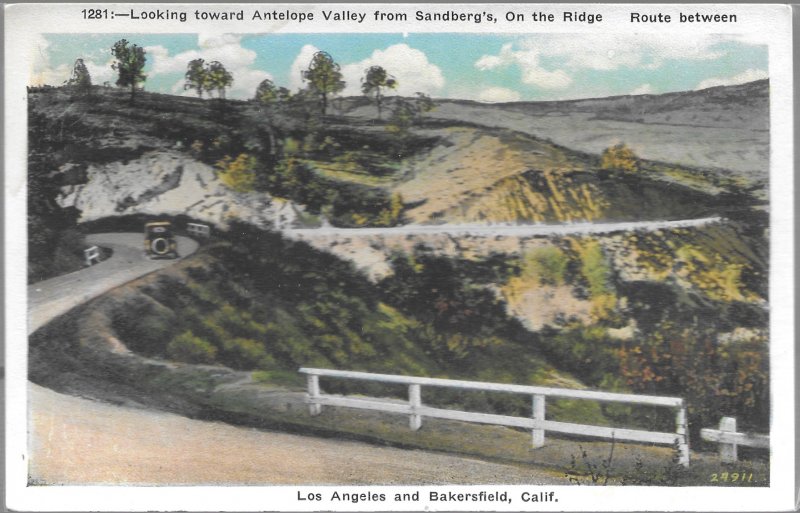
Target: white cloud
pixel 225 48
pixel 504 58
pixel 558 79
pixel 409 66
pixel 745 76
pixel 614 51
pixel 101 73
pixel 602 52
pixel 42 72
pixel 498 95
pixel 51 76
pixel 643 89
pixel 605 51
pixel 528 61
pixel 599 52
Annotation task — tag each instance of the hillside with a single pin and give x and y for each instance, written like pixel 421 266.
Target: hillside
pixel 163 155
pixel 475 174
pixel 260 303
pixel 679 311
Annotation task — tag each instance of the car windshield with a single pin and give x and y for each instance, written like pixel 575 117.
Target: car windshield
pixel 160 230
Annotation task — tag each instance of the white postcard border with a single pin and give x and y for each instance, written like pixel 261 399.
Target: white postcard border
pixel 773 23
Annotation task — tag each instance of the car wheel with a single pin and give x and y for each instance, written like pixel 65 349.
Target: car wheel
pixel 160 246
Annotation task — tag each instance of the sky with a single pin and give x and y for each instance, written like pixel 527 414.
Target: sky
pixel 481 67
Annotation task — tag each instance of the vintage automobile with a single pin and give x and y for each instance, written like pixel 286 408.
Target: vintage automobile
pixel 159 240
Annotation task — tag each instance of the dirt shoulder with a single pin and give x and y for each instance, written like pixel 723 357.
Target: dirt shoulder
pixel 80 441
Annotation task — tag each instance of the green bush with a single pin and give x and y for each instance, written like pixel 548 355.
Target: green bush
pixel 189 348
pixel 238 174
pixel 595 269
pixel 585 351
pixel 619 158
pixel 546 264
pixel 244 353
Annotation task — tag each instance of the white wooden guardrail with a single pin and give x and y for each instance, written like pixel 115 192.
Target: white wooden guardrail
pixel 92 255
pixel 729 439
pixel 416 410
pixel 201 230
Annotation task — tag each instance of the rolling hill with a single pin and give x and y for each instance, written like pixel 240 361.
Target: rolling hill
pixel 595 310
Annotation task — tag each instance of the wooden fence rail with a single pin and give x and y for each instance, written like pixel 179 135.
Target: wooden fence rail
pixel 729 439
pixel 92 255
pixel 538 425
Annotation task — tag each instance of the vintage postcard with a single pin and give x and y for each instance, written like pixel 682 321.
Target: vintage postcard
pixel 402 257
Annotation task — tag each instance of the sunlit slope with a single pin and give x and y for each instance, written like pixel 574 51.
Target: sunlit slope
pixel 476 174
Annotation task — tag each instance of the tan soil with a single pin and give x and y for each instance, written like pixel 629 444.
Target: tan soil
pixel 467 165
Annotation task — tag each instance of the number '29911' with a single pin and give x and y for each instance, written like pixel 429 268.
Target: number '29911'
pixel 732 477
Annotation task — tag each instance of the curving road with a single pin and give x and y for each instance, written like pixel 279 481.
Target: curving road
pixel 79 441
pixel 50 298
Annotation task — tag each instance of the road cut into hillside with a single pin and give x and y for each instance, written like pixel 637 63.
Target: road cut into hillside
pixel 80 441
pixel 505 230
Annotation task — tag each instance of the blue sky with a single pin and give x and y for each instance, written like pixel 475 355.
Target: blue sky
pixel 472 66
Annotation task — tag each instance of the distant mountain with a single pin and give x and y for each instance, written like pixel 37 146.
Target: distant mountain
pixel 742 106
pixel 738 106
pixel 724 129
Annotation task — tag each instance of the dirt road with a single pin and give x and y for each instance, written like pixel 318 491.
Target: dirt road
pixel 75 440
pixel 50 298
pixel 78 441
pixel 505 230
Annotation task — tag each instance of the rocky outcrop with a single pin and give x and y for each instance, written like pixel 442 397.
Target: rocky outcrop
pixel 169 182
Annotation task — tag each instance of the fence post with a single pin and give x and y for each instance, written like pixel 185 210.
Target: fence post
pixel 538 414
pixel 91 254
pixel 682 430
pixel 415 401
pixel 313 393
pixel 728 451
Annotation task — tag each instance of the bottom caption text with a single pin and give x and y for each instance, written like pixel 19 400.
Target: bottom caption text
pixel 427 496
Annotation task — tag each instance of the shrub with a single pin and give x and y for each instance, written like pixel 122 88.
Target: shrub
pixel 586 351
pixel 594 268
pixel 587 471
pixel 597 272
pixel 715 380
pixel 244 353
pixel 189 348
pixel 619 158
pixel 239 174
pixel 547 265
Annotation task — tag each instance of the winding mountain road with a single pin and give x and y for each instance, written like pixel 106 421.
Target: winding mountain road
pixel 50 298
pixel 74 440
